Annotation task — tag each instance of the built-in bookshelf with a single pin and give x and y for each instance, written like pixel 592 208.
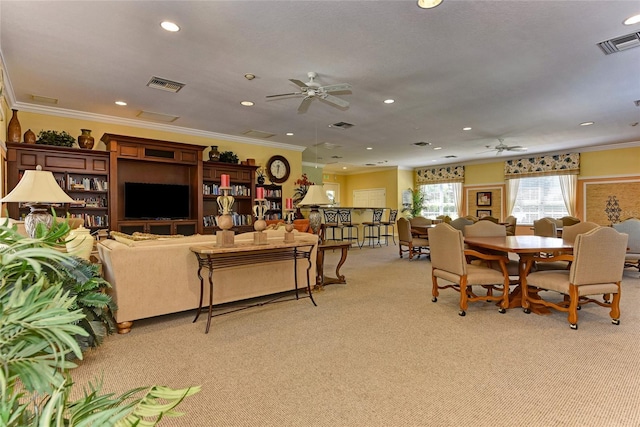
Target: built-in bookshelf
pixel 82 174
pixel 273 196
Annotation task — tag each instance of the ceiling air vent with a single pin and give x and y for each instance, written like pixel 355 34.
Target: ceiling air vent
pixel 450 156
pixel 158 117
pixel 258 134
pixel 342 125
pixel 165 84
pixel 620 43
pixel 369 164
pixel 421 144
pixel 637 102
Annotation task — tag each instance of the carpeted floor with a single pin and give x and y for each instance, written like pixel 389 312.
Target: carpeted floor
pixel 378 352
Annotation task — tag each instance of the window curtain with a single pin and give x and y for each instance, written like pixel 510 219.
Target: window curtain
pixel 457 197
pixel 569 186
pixel 513 185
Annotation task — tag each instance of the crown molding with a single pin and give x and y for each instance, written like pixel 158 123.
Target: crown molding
pixel 102 118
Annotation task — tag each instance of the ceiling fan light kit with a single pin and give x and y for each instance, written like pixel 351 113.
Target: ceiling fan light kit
pixel 428 4
pixel 312 90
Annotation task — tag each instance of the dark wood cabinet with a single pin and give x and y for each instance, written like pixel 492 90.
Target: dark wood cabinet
pixel 82 174
pixel 153 161
pixel 273 196
pixel 242 182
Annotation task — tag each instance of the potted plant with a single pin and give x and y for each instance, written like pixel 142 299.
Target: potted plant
pixel 52 137
pixel 39 322
pixel 417 204
pixel 228 157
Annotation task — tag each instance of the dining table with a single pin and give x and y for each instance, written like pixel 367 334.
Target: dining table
pixel 526 247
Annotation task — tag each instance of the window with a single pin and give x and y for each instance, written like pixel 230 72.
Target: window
pixel 439 199
pixel 539 197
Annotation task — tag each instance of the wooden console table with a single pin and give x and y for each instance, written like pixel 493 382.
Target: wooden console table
pixel 216 257
pixel 321 278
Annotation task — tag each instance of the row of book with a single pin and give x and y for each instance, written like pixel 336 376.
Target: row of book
pixel 89 202
pixel 236 190
pixel 86 184
pixel 93 220
pixel 238 219
pixel 268 193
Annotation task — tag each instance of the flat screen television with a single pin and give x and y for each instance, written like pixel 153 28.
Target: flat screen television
pixel 156 201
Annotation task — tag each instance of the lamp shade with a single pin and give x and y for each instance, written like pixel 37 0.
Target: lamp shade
pixel 37 186
pixel 315 196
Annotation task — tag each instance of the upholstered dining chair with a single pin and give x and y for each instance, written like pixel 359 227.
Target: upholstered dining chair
pixel 408 243
pixel 510 223
pixel 545 227
pixel 345 222
pixel 461 223
pixel 389 223
pixel 449 263
pixel 489 218
pixel 597 264
pixel 569 234
pixel 491 229
pixel 569 220
pixel 372 228
pixel 420 221
pixel 444 218
pixel 631 227
pixel 331 223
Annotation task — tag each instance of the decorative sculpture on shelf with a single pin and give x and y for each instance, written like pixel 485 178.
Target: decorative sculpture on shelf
pixel 225 237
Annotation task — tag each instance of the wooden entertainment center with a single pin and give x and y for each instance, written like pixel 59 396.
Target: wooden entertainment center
pixel 140 160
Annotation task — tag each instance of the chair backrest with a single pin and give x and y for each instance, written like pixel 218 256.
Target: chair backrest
pixel 631 227
pixel 330 216
pixel 420 221
pixel 489 218
pixel 447 249
pixel 393 214
pixel 569 232
pixel 461 223
pixel 545 227
pixel 569 220
pixel 485 229
pixel 377 216
pixel 598 257
pixel 472 218
pixel 404 230
pixel 444 218
pixel 345 216
pixel 511 225
pixel 557 221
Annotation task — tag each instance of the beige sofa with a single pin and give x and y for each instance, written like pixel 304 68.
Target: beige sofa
pixel 156 277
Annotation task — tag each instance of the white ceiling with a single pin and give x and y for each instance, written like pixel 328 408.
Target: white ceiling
pixel 525 71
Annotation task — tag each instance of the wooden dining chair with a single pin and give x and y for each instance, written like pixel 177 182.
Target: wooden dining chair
pixel 596 268
pixel 631 227
pixel 510 223
pixel 545 227
pixel 408 243
pixel 491 229
pixel 449 263
pixel 461 223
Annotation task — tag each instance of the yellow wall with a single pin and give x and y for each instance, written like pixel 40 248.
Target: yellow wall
pixel 37 122
pixel 486 173
pixel 387 179
pixel 624 161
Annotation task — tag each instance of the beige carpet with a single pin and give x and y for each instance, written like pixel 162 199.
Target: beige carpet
pixel 378 352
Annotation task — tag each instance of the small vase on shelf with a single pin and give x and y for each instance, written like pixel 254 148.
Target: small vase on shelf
pixel 29 137
pixel 14 132
pixel 214 154
pixel 85 140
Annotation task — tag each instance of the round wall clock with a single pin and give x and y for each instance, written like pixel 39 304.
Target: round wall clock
pixel 278 169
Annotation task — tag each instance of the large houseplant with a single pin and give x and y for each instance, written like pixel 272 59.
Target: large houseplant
pixel 38 325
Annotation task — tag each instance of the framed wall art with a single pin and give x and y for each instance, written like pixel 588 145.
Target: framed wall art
pixel 481 213
pixel 483 198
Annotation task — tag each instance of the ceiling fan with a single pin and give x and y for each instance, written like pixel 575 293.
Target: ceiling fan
pixel 504 147
pixel 312 90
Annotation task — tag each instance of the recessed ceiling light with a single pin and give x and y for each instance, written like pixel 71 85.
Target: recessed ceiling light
pixel 467 128
pixel 586 123
pixel 289 134
pixel 247 103
pixel 344 167
pixel 169 26
pixel 249 76
pixel 121 103
pixel 632 20
pixel 369 148
pixel 428 4
pixel 389 101
pixel 437 148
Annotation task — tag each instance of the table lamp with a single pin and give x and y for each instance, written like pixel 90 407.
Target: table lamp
pixel 37 189
pixel 315 198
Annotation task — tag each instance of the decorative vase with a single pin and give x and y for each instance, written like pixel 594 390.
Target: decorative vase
pixel 261 180
pixel 80 243
pixel 85 140
pixel 29 137
pixel 14 132
pixel 214 154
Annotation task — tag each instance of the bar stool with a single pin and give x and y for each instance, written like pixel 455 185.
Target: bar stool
pixel 391 222
pixel 372 228
pixel 331 223
pixel 346 224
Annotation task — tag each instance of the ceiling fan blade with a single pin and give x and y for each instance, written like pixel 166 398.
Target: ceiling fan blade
pixel 335 100
pixel 304 105
pixel 285 94
pixel 298 83
pixel 336 88
pixel 516 148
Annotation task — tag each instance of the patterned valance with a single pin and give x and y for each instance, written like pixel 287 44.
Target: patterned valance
pixel 560 164
pixel 448 174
